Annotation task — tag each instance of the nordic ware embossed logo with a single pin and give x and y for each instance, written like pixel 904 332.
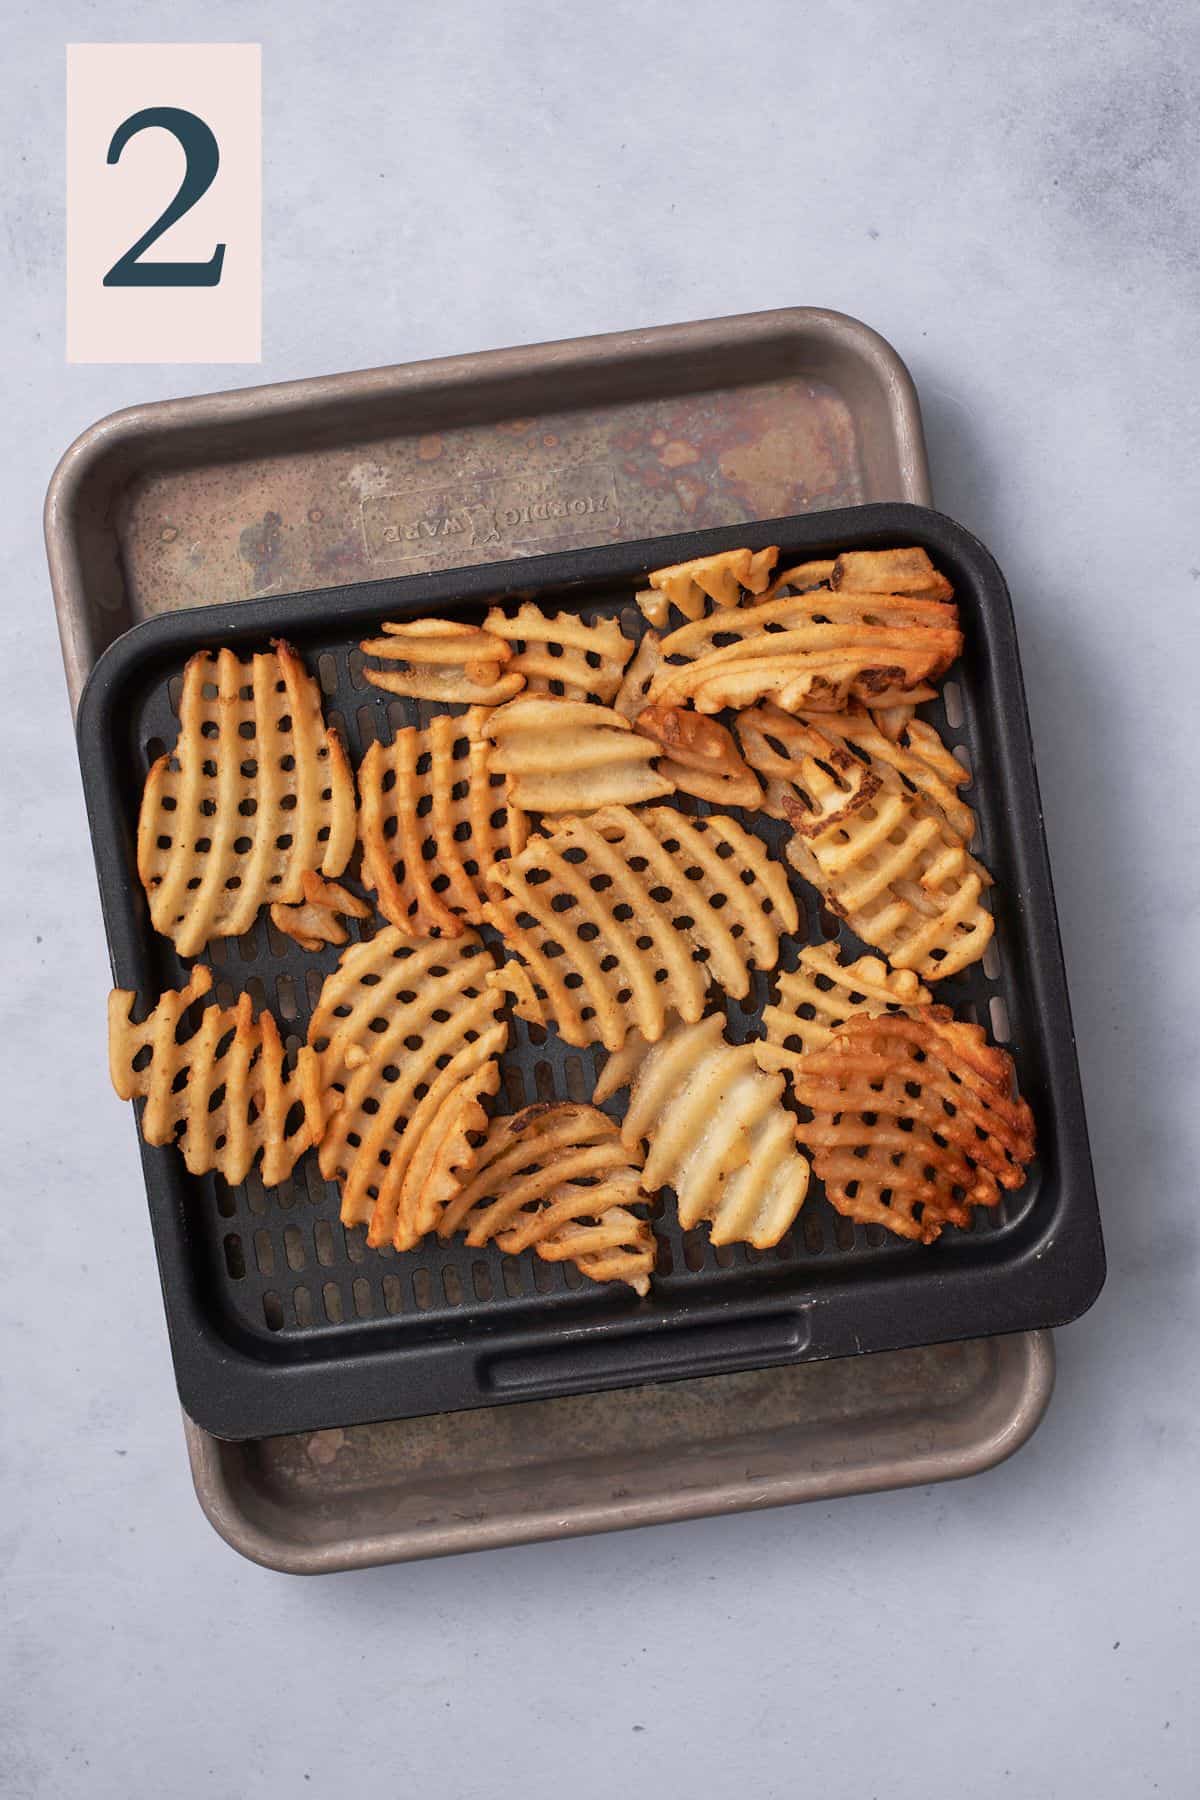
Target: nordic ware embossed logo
pixel 473 520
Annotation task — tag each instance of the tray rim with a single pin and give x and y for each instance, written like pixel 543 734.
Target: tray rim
pixel 166 426
pixel 1080 1265
pixel 1027 1360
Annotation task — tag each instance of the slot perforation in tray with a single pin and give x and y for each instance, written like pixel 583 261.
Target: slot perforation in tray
pixel 296 1309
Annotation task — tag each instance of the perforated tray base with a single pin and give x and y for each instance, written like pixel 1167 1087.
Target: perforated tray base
pixel 283 1321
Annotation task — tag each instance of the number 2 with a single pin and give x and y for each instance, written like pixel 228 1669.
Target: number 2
pixel 203 159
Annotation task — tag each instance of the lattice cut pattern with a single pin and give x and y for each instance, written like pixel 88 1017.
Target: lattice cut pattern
pixel 620 916
pixel 715 1130
pixel 563 653
pixel 556 1178
pixel 914 1121
pixel 880 831
pixel 222 1095
pixel 721 578
pixel 816 649
pixel 256 791
pixel 432 819
pixel 402 1045
pixel 814 1000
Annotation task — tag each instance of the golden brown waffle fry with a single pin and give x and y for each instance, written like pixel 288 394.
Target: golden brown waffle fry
pixel 633 693
pixel 622 915
pixel 718 1133
pixel 443 659
pixel 222 1096
pixel 556 1178
pixel 432 818
pixel 720 578
pixel 817 649
pixel 256 791
pixel 882 834
pixel 817 998
pixel 913 1121
pixel 564 654
pixel 799 579
pixel 700 757
pixel 569 756
pixel 403 1040
pixel 889 572
pixel 315 922
pixel 655 607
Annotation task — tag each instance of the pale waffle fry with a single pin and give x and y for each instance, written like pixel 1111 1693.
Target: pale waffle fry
pixel 622 915
pixel 557 1178
pixel 563 654
pixel 882 835
pixel 634 691
pixel 401 1044
pixel 256 791
pixel 720 578
pixel 914 1121
pixel 699 756
pixel 568 756
pixel 443 659
pixel 815 999
pixel 223 1096
pixel 717 1132
pixel 432 818
pixel 317 919
pixel 815 649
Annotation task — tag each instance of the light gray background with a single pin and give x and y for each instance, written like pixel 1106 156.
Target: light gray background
pixel 1009 194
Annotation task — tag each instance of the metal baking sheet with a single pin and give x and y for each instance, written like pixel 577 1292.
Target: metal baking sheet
pixel 274 488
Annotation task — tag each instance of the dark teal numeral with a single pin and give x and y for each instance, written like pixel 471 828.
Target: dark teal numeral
pixel 203 159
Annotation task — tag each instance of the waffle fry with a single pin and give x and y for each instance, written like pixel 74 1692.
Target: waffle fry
pixel 432 818
pixel 633 693
pixel 563 654
pixel 622 915
pixel 700 757
pixel 222 1096
pixel 815 1000
pixel 889 572
pixel 443 659
pixel 816 649
pixel 799 579
pixel 720 578
pixel 402 1043
pixel 717 1133
pixel 568 756
pixel 913 1122
pixel 880 831
pixel 317 920
pixel 557 1178
pixel 256 791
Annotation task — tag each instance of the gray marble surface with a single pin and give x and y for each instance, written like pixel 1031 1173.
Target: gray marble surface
pixel 1009 194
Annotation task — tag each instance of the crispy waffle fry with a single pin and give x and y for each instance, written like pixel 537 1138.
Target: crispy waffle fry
pixel 815 1000
pixel 718 1133
pixel 633 693
pixel 817 649
pixel 315 922
pixel 443 659
pixel 432 818
pixel 621 915
pixel 879 830
pixel 720 578
pixel 700 757
pixel 564 654
pixel 256 791
pixel 222 1096
pixel 799 579
pixel 403 1041
pixel 557 1177
pixel 913 1122
pixel 889 572
pixel 568 756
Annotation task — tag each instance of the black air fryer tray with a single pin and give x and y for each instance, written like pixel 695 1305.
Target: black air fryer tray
pixel 282 1321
